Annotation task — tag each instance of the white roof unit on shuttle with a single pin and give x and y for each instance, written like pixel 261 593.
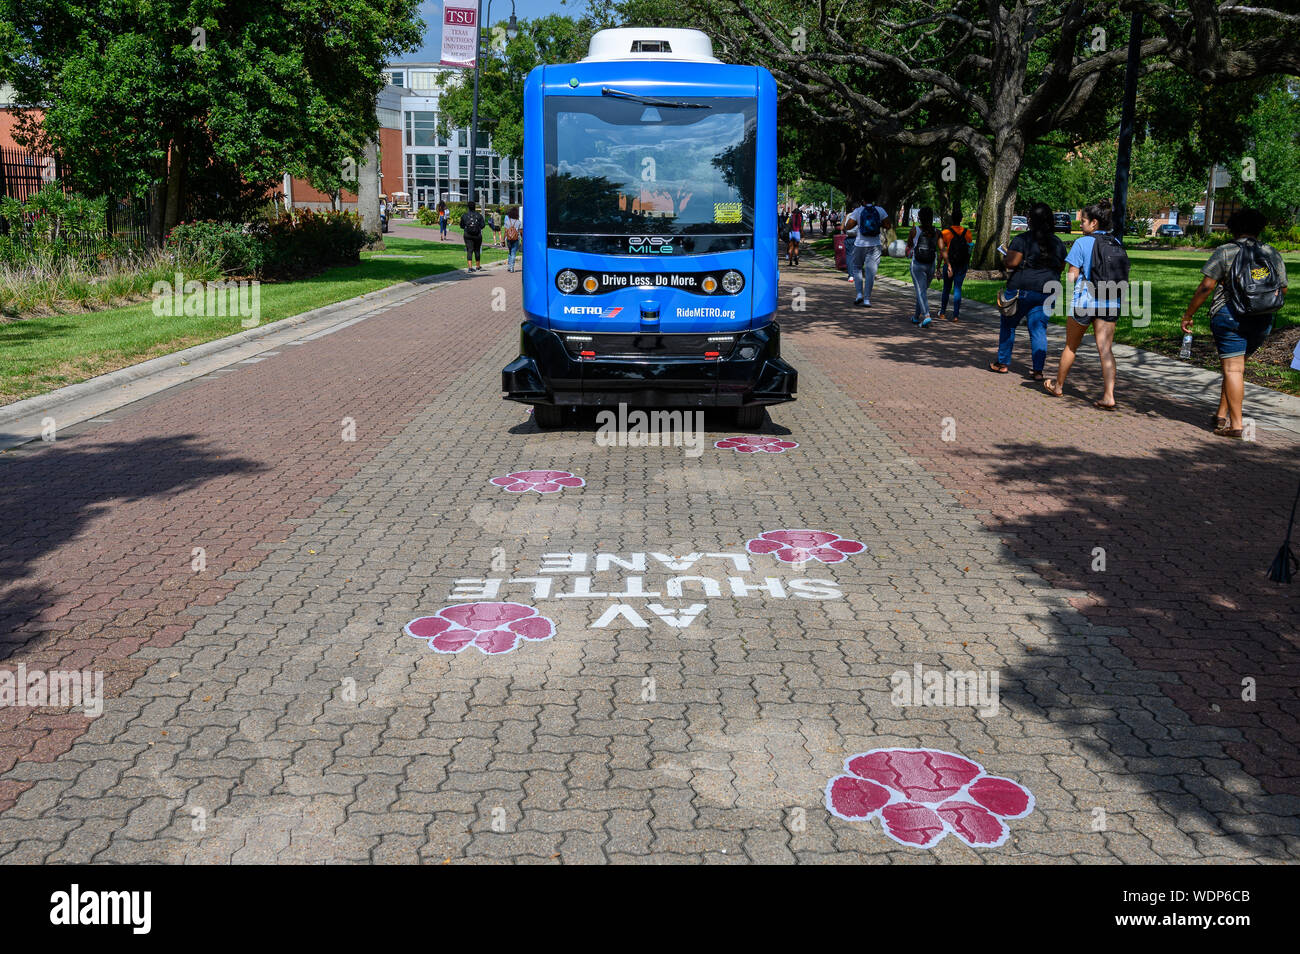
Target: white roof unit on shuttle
pixel 651 43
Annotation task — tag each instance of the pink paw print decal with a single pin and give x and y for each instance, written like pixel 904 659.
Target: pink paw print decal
pixel 800 546
pixel 493 628
pixel 750 443
pixel 923 795
pixel 542 481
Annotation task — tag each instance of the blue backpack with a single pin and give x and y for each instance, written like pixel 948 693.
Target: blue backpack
pixel 870 224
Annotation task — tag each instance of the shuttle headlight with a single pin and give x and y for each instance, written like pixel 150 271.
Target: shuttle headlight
pixel 589 285
pixel 567 281
pixel 732 282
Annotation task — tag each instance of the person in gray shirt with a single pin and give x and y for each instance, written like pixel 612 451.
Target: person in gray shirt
pixel 1235 336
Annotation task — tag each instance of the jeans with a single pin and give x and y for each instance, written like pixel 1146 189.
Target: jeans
pixel 953 283
pixel 1236 338
pixel 512 249
pixel 863 261
pixel 1030 308
pixel 922 275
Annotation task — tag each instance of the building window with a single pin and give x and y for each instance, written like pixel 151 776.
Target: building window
pixel 397 77
pixel 421 129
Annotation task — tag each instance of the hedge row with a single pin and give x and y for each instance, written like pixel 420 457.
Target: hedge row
pixel 293 244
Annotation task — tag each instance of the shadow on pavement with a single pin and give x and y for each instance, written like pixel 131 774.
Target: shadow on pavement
pixel 48 495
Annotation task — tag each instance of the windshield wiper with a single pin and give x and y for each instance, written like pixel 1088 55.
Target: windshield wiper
pixel 649 101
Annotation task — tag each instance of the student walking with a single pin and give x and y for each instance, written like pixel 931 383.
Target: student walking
pixel 444 217
pixel 471 224
pixel 796 233
pixel 864 224
pixel 1247 279
pixel 1099 276
pixel 954 252
pixel 1035 260
pixel 923 248
pixel 514 236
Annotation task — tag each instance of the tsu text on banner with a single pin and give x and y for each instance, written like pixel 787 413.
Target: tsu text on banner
pixel 459 28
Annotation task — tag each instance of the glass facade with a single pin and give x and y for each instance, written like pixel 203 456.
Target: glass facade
pixel 437 167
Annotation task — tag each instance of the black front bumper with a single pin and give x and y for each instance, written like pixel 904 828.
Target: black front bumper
pixel 659 372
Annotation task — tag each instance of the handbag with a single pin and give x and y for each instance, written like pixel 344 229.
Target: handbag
pixel 1008 302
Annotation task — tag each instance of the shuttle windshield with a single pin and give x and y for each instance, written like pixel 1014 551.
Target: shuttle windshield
pixel 618 165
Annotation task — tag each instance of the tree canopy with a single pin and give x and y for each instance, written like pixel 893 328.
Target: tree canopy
pixel 206 102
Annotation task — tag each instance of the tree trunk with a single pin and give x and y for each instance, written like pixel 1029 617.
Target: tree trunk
pixel 368 190
pixel 997 204
pixel 175 188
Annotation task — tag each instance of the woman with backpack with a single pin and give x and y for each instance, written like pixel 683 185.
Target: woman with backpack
pixel 954 252
pixel 1034 261
pixel 444 219
pixel 1099 277
pixel 923 248
pixel 514 235
pixel 1247 278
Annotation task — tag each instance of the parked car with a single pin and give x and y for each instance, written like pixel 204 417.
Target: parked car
pixel 1064 222
pixel 1174 231
pixel 1019 223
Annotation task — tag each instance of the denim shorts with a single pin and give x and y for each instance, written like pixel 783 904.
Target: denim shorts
pixel 1236 339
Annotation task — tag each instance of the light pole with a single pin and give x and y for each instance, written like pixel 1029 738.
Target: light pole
pixel 512 31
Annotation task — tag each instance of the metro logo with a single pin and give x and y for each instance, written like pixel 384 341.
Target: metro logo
pixel 595 310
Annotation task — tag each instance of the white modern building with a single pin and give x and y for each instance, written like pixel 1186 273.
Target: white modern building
pixel 436 168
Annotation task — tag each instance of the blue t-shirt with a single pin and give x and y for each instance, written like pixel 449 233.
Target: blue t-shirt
pixel 1081 258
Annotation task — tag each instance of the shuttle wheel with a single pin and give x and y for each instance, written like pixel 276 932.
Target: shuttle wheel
pixel 547 416
pixel 750 418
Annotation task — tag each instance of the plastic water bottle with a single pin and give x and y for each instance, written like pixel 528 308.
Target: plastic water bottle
pixel 1185 352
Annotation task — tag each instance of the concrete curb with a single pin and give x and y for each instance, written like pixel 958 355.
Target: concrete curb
pixel 21 421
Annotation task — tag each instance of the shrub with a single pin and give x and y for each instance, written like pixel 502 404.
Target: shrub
pixel 307 241
pixel 290 244
pixel 235 249
pixel 426 216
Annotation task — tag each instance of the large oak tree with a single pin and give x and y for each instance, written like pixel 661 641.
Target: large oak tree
pixel 206 103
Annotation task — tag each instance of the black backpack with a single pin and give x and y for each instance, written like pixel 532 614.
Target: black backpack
pixel 1108 270
pixel 923 250
pixel 471 224
pixel 959 249
pixel 1253 284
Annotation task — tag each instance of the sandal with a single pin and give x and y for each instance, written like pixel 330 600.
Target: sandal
pixel 998 368
pixel 1050 387
pixel 1036 375
pixel 1217 422
pixel 1104 407
pixel 1233 432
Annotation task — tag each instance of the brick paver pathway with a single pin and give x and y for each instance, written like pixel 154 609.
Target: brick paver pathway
pixel 694 700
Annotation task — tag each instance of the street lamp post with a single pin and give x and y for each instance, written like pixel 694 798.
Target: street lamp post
pixel 512 30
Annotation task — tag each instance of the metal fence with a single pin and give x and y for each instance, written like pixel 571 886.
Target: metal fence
pixel 23 173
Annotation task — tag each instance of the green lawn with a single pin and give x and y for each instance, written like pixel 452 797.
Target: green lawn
pixel 1174 275
pixel 40 354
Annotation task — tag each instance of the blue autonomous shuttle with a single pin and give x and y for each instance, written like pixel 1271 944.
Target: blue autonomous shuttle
pixel 650 232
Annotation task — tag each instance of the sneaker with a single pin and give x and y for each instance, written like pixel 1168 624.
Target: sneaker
pixel 916 319
pixel 857 301
pixel 925 322
pixel 866 303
